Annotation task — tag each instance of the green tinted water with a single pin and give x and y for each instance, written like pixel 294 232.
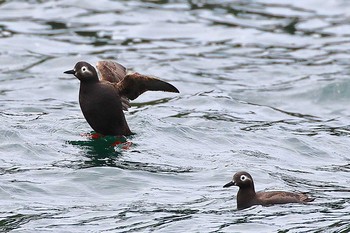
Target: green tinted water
pixel 263 89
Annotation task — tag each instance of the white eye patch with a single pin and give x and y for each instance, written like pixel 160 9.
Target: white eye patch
pixel 243 177
pixel 85 70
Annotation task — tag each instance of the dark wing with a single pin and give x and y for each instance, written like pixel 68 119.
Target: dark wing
pixel 305 198
pixel 113 72
pixel 135 84
pixel 280 197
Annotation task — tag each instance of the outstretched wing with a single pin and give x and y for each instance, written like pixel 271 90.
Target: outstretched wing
pixel 134 84
pixel 113 72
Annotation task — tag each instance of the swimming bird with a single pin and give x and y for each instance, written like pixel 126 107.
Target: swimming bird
pixel 247 197
pixel 102 100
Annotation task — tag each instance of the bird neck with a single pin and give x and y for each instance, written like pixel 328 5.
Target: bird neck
pixel 90 80
pixel 246 197
pixel 87 87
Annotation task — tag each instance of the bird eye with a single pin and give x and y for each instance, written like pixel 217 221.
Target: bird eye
pixel 243 177
pixel 83 69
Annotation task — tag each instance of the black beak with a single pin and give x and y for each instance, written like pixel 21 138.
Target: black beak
pixel 229 184
pixel 69 72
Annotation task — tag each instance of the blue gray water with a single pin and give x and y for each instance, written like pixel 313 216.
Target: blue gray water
pixel 265 88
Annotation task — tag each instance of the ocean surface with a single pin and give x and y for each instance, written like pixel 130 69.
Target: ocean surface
pixel 265 88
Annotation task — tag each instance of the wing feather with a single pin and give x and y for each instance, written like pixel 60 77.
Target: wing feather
pixel 134 84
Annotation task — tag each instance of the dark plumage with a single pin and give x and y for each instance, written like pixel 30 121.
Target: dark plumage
pixel 247 197
pixel 103 100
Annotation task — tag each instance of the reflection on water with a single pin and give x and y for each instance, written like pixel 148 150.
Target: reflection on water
pixel 264 88
pixel 102 150
pixel 107 150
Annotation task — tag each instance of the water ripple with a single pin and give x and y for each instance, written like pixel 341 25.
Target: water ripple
pixel 264 88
